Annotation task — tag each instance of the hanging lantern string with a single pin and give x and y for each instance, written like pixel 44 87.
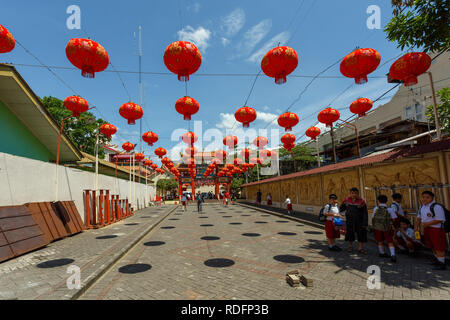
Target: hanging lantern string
pixel 121 81
pixel 301 20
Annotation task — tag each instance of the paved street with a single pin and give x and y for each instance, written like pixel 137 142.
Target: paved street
pixel 242 253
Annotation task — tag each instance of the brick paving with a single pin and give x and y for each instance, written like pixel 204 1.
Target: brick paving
pixel 42 274
pixel 241 253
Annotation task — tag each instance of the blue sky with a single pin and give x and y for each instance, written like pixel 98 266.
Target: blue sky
pixel 232 36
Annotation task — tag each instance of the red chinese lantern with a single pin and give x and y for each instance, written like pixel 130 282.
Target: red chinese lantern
pixel 237 161
pixel 87 55
pixel 313 132
pixel 328 116
pixel 256 161
pixel 361 106
pixel 289 146
pixel 189 138
pixel 154 166
pixel 165 160
pixel 288 120
pixel 288 138
pixel 108 129
pixel 265 154
pixel 279 62
pixel 191 151
pixel 131 111
pixel 7 42
pixel 182 58
pixel 260 142
pixel 187 106
pixel 245 153
pixel 160 152
pixel 221 155
pixel 360 63
pixel 139 157
pixel 409 67
pixel 230 141
pixel 76 104
pixel 128 146
pixel 150 137
pixel 148 163
pixel 245 115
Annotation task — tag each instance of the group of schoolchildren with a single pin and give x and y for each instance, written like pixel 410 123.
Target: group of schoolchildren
pixel 390 225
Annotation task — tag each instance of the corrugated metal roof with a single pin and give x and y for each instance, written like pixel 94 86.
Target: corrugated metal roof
pixel 387 156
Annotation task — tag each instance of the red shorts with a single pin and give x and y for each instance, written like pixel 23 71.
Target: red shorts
pixel 435 238
pixel 269 202
pixel 330 230
pixel 183 203
pixel 381 236
pixel 289 207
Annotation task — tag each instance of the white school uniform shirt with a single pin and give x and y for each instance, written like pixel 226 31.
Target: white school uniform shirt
pixel 390 210
pixel 288 201
pixel 269 197
pixel 409 232
pixel 426 216
pixel 329 208
pixel 397 207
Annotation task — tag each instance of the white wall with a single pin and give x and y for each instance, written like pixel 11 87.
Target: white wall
pixel 24 180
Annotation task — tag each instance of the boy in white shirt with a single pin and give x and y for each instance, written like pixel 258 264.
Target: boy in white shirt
pixel 288 204
pixel 405 237
pixel 432 217
pixel 330 211
pixel 396 206
pixel 383 219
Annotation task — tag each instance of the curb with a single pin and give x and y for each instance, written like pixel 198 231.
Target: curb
pixel 105 268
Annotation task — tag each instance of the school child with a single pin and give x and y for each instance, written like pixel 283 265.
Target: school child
pixel 269 199
pixel 396 206
pixel 331 211
pixel 382 221
pixel 288 204
pixel 432 217
pixel 405 239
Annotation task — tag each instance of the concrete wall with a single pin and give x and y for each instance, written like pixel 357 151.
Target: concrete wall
pixel 25 180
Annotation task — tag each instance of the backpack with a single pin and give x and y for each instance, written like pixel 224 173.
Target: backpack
pixel 446 224
pixel 322 216
pixel 382 220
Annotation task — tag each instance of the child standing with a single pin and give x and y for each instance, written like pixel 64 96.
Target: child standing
pixel 382 221
pixel 432 217
pixel 288 204
pixel 331 211
pixel 269 199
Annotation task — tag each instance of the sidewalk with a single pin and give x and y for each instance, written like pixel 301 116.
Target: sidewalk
pixel 313 220
pixel 43 274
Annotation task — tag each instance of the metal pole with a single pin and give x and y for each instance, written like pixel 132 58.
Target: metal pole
pixel 140 82
pixel 96 164
pixel 333 144
pixel 436 119
pixel 318 156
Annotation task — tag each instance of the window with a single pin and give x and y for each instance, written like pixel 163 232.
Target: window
pixel 414 112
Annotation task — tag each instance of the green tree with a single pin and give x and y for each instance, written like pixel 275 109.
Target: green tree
pixel 164 185
pixel 82 131
pixel 304 156
pixel 443 110
pixel 237 182
pixel 420 23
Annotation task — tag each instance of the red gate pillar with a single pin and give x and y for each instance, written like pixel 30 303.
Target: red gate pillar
pixel 87 209
pixel 100 208
pixel 94 208
pixel 107 208
pixel 193 188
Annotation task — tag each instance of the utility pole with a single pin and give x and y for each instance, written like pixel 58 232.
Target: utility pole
pixel 333 144
pixel 436 119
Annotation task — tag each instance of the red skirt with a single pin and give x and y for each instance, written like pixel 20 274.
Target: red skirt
pixel 381 236
pixel 289 207
pixel 330 230
pixel 269 202
pixel 435 238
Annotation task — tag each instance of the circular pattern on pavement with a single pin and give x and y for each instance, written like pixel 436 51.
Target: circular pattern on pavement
pixel 54 263
pixel 154 243
pixel 288 258
pixel 219 263
pixel 135 268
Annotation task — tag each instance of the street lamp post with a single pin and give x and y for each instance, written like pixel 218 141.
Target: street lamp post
pixel 436 119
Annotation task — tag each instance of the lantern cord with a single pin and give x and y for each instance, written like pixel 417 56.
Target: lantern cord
pixel 121 81
pixel 302 21
pixel 48 68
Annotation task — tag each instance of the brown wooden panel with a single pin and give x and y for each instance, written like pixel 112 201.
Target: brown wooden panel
pixel 73 215
pixel 65 217
pixel 53 222
pixel 41 222
pixel 28 245
pixel 5 253
pixel 3 241
pixel 22 233
pixel 13 211
pixel 77 215
pixel 16 222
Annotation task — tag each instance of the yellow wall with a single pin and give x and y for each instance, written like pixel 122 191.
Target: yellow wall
pixel 313 190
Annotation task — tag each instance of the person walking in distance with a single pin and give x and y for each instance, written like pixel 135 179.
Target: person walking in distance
pixel 288 204
pixel 356 220
pixel 331 211
pixel 199 201
pixel 259 197
pixel 269 199
pixel 184 201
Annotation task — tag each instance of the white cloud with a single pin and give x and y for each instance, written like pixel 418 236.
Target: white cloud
pixel 266 108
pixel 281 37
pixel 195 7
pixel 199 36
pixel 266 117
pixel 227 121
pixel 253 36
pixel 225 41
pixel 233 22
